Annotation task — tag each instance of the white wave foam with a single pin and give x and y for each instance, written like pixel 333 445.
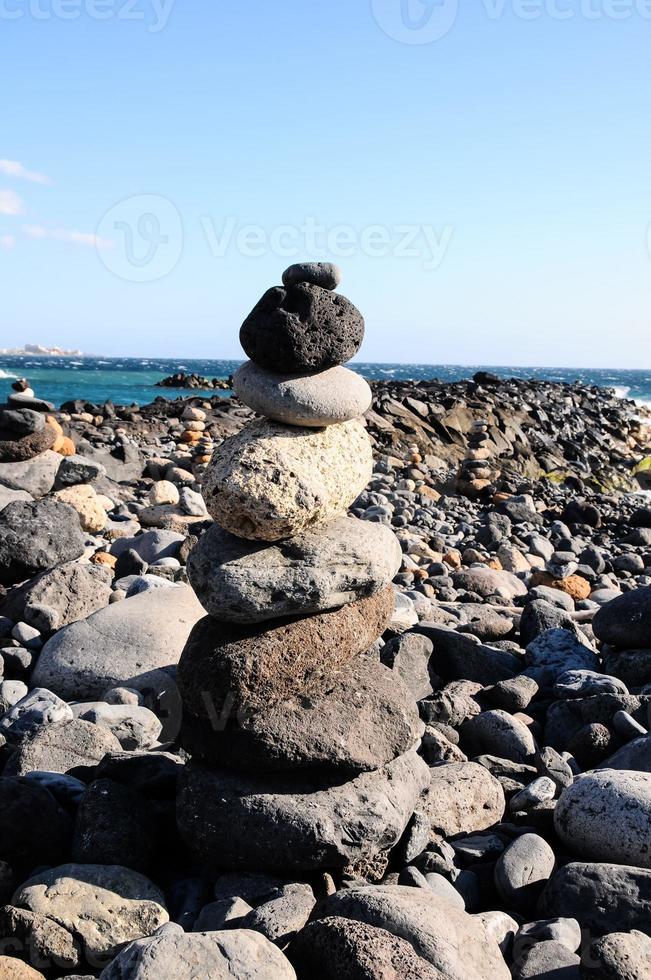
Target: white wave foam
pixel 622 391
pixel 7 374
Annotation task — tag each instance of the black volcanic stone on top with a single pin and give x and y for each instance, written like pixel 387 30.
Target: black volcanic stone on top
pixel 302 328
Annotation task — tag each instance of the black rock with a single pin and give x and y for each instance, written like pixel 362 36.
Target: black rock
pixel 626 621
pixel 35 535
pixel 304 328
pixel 34 829
pixel 114 826
pixel 539 616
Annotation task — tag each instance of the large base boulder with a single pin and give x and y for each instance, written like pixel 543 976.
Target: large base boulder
pixel 286 822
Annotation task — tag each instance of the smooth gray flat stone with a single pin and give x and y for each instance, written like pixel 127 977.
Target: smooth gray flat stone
pixel 313 400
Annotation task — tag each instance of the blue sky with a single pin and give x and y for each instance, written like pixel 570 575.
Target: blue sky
pixel 480 172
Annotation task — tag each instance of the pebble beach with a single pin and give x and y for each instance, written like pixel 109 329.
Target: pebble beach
pixel 325 676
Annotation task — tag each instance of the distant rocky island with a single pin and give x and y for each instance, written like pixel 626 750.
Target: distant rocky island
pixel 40 350
pixel 182 380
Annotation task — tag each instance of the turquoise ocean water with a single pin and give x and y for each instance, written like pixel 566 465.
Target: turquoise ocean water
pixel 131 380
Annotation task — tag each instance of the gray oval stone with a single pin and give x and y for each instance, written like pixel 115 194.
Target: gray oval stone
pixel 241 581
pixel 312 400
pixel 606 816
pixel 327 275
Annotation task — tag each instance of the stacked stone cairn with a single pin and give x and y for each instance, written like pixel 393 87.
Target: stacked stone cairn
pixel 303 744
pixel 475 472
pixel 26 428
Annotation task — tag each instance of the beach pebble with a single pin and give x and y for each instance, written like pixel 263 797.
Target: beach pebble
pixel 547 959
pixel 620 956
pixel 625 622
pixel 452 941
pixel 103 905
pixel 127 644
pixel 171 952
pixel 134 726
pixel 335 947
pixel 323 274
pixel 603 897
pixel 523 869
pixel 36 536
pixel 564 931
pixel 33 713
pixel 83 499
pixel 463 798
pixel 61 595
pixel 163 492
pixel 498 733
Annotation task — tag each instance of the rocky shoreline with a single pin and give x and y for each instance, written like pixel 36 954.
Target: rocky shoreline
pixel 425 748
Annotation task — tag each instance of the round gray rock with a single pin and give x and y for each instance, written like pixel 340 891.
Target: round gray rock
pixel 60 748
pixel 606 816
pixel 601 897
pixel 312 400
pixel 323 274
pixel 123 645
pixel 60 596
pixel 241 581
pixel 497 733
pixel 171 952
pixel 463 798
pixel 523 869
pixel 302 328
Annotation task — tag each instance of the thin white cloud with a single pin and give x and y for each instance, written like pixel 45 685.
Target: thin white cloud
pixel 12 168
pixel 7 241
pixel 64 235
pixel 10 203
